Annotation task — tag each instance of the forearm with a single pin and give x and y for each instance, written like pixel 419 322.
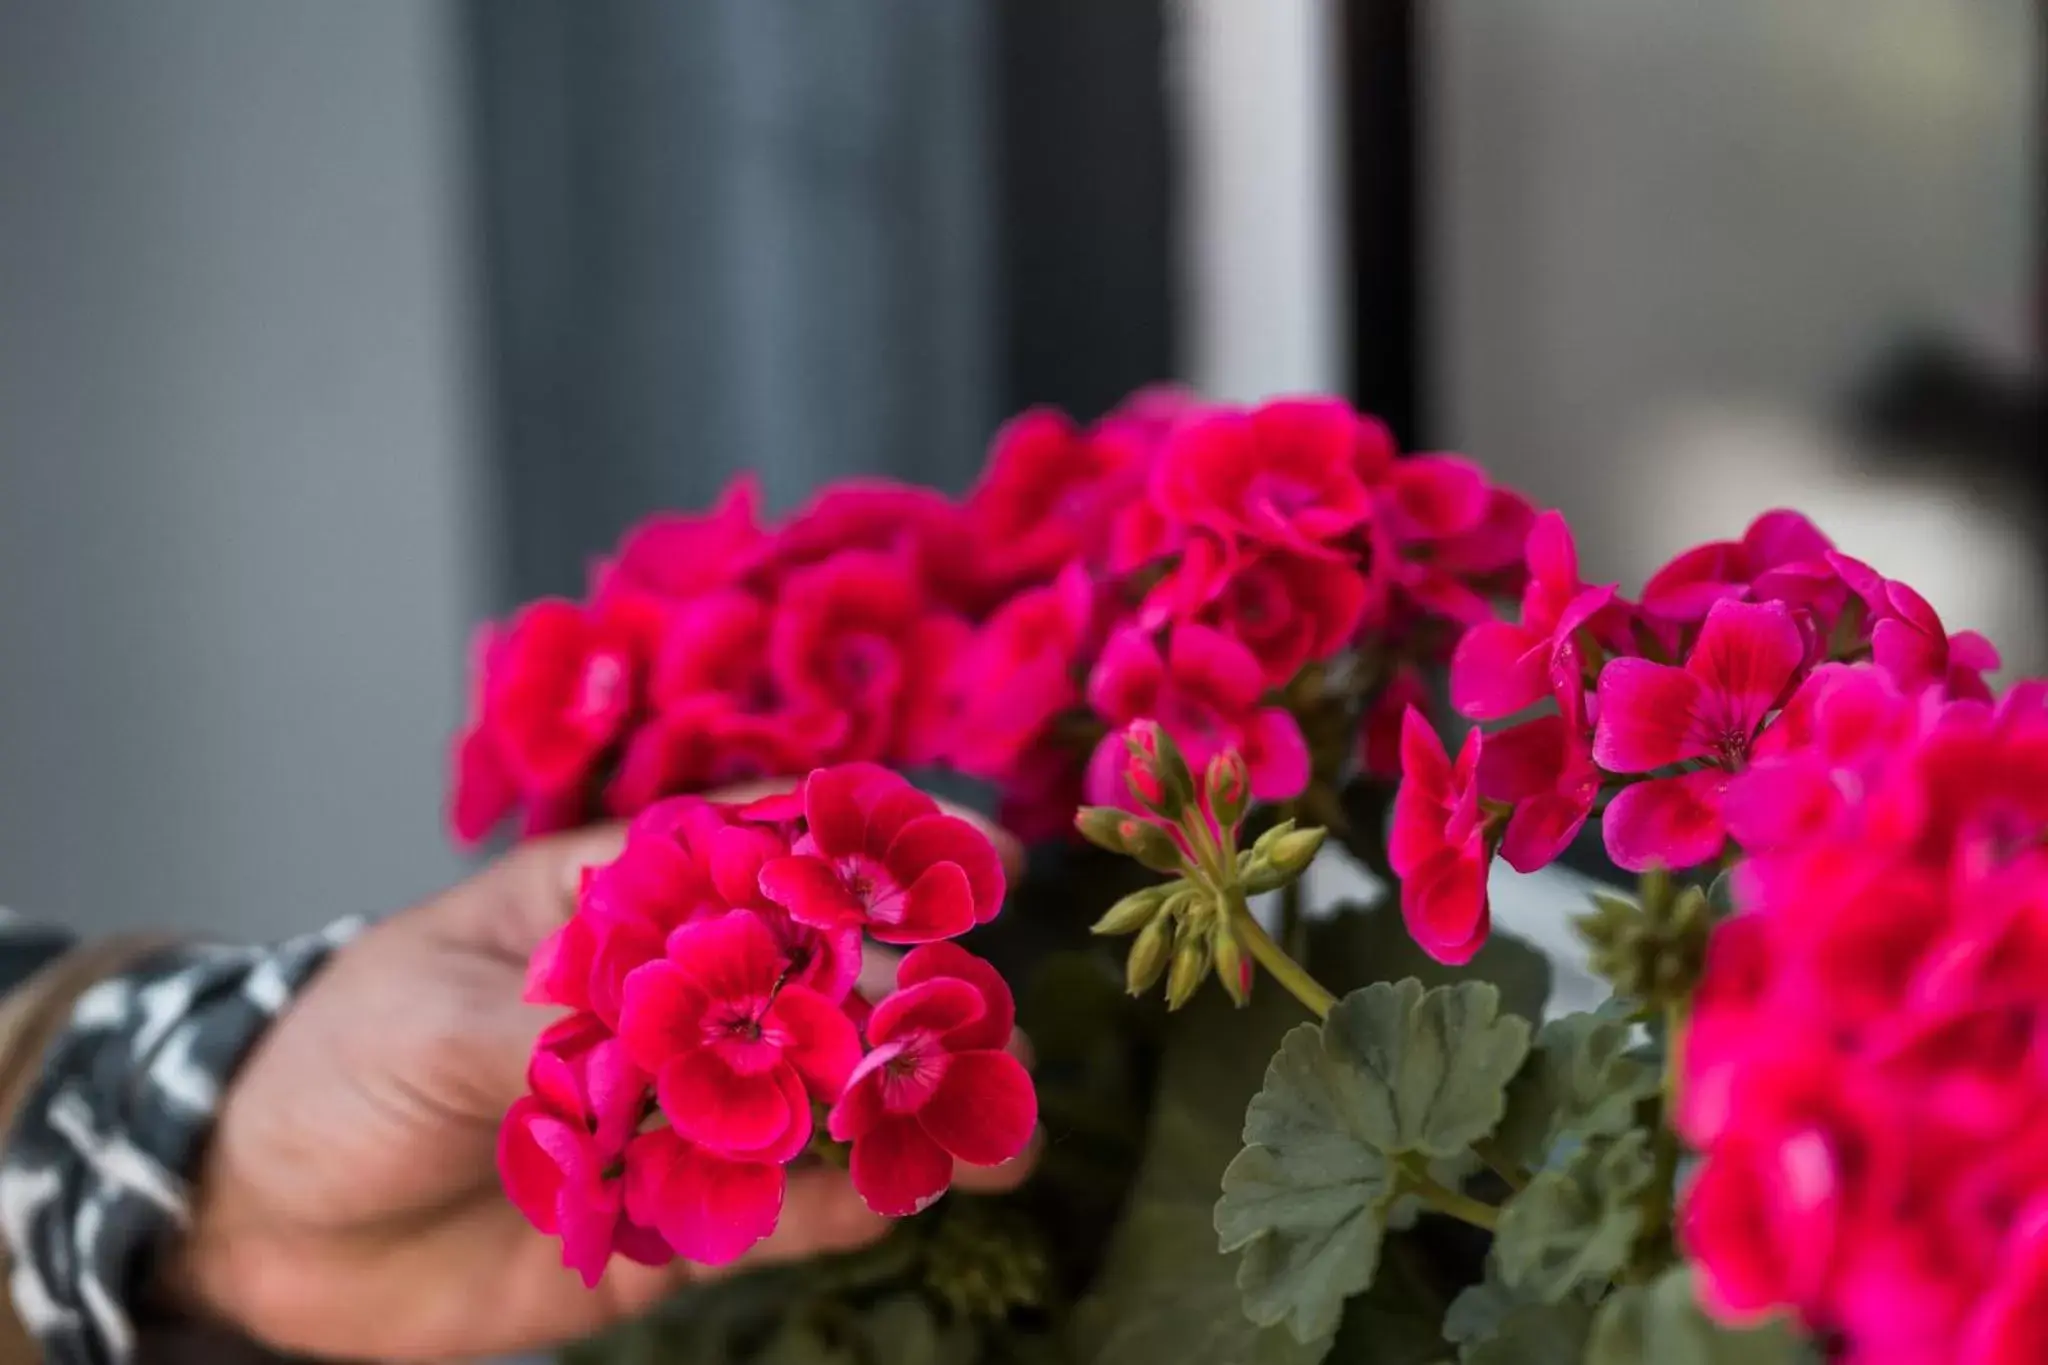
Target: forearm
pixel 112 1057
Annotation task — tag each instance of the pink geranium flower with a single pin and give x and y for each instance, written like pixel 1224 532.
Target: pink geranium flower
pixel 1386 713
pixel 856 636
pixel 1710 711
pixel 1207 691
pixel 1909 642
pixel 1439 844
pixel 1289 609
pixel 1543 768
pixel 1779 552
pixel 707 743
pixel 937 1085
pixel 559 1149
pixel 1284 473
pixel 1502 667
pixel 735 1049
pixel 878 854
pixel 1018 674
pixel 1048 494
pixel 557 687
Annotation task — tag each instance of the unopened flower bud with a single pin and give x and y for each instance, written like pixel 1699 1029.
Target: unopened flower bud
pixel 1290 851
pixel 1227 785
pixel 1191 962
pixel 1233 968
pixel 1102 826
pixel 1152 846
pixel 1157 772
pixel 1149 952
pixel 1133 912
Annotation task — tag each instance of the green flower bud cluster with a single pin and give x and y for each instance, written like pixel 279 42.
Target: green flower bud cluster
pixel 1650 948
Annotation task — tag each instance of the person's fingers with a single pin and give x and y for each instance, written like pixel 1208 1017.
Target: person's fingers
pixel 509 907
pixel 997 1179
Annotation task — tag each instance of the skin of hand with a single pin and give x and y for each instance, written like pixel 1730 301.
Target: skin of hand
pixel 349 1202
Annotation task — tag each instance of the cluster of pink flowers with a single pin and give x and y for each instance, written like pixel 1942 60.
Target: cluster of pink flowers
pixel 1866 1068
pixel 710 975
pixel 1175 561
pixel 1652 706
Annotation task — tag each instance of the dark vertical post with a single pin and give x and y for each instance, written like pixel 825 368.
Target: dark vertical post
pixel 1381 98
pixel 1084 191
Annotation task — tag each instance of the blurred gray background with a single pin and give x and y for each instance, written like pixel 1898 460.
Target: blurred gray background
pixel 326 329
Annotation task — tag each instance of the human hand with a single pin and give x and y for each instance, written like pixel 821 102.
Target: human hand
pixel 350 1204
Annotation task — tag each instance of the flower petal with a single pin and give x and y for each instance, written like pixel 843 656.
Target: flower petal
pixel 1124 684
pixel 1646 716
pixel 939 904
pixel 660 1014
pixel 935 839
pixel 939 1005
pixel 1276 753
pixel 1444 905
pixel 998 1018
pixel 1672 822
pixel 1745 657
pixel 708 1208
pixel 1499 668
pixel 832 810
pixel 1542 828
pixel 1214 667
pixel 716 1107
pixel 1524 760
pixel 897 1169
pixel 727 957
pixel 811 891
pixel 860 1105
pixel 984 1110
pixel 822 1045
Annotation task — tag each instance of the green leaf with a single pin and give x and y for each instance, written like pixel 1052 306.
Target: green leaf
pixel 1164 1291
pixel 1661 1324
pixel 1358 945
pixel 1480 1309
pixel 1535 1334
pixel 1578 1224
pixel 1393 1070
pixel 1581 1079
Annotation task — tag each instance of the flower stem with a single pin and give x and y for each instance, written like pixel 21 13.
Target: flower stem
pixel 1663 1195
pixel 1277 963
pixel 1446 1200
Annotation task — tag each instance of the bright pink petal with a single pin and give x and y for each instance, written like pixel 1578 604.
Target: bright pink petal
pixel 1524 760
pixel 897 1169
pixel 998 1017
pixel 735 857
pixel 938 1005
pixel 1542 828
pixel 717 1107
pixel 891 808
pixel 811 891
pixel 532 1145
pixel 1444 905
pixel 1746 657
pixel 661 1014
pixel 984 1110
pixel 728 957
pixel 1214 667
pixel 838 827
pixel 939 904
pixel 1276 753
pixel 1498 669
pixel 1968 649
pixel 1124 684
pixel 860 1105
pixel 1646 716
pixel 935 839
pixel 822 1044
pixel 1672 822
pixel 709 1209
pixel 1424 762
pixel 1552 555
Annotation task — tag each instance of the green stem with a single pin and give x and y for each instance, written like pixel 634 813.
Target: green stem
pixel 1446 1200
pixel 1663 1194
pixel 1277 963
pixel 1501 1164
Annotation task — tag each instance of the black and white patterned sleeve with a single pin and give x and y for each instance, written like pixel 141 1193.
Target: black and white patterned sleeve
pixel 93 1175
